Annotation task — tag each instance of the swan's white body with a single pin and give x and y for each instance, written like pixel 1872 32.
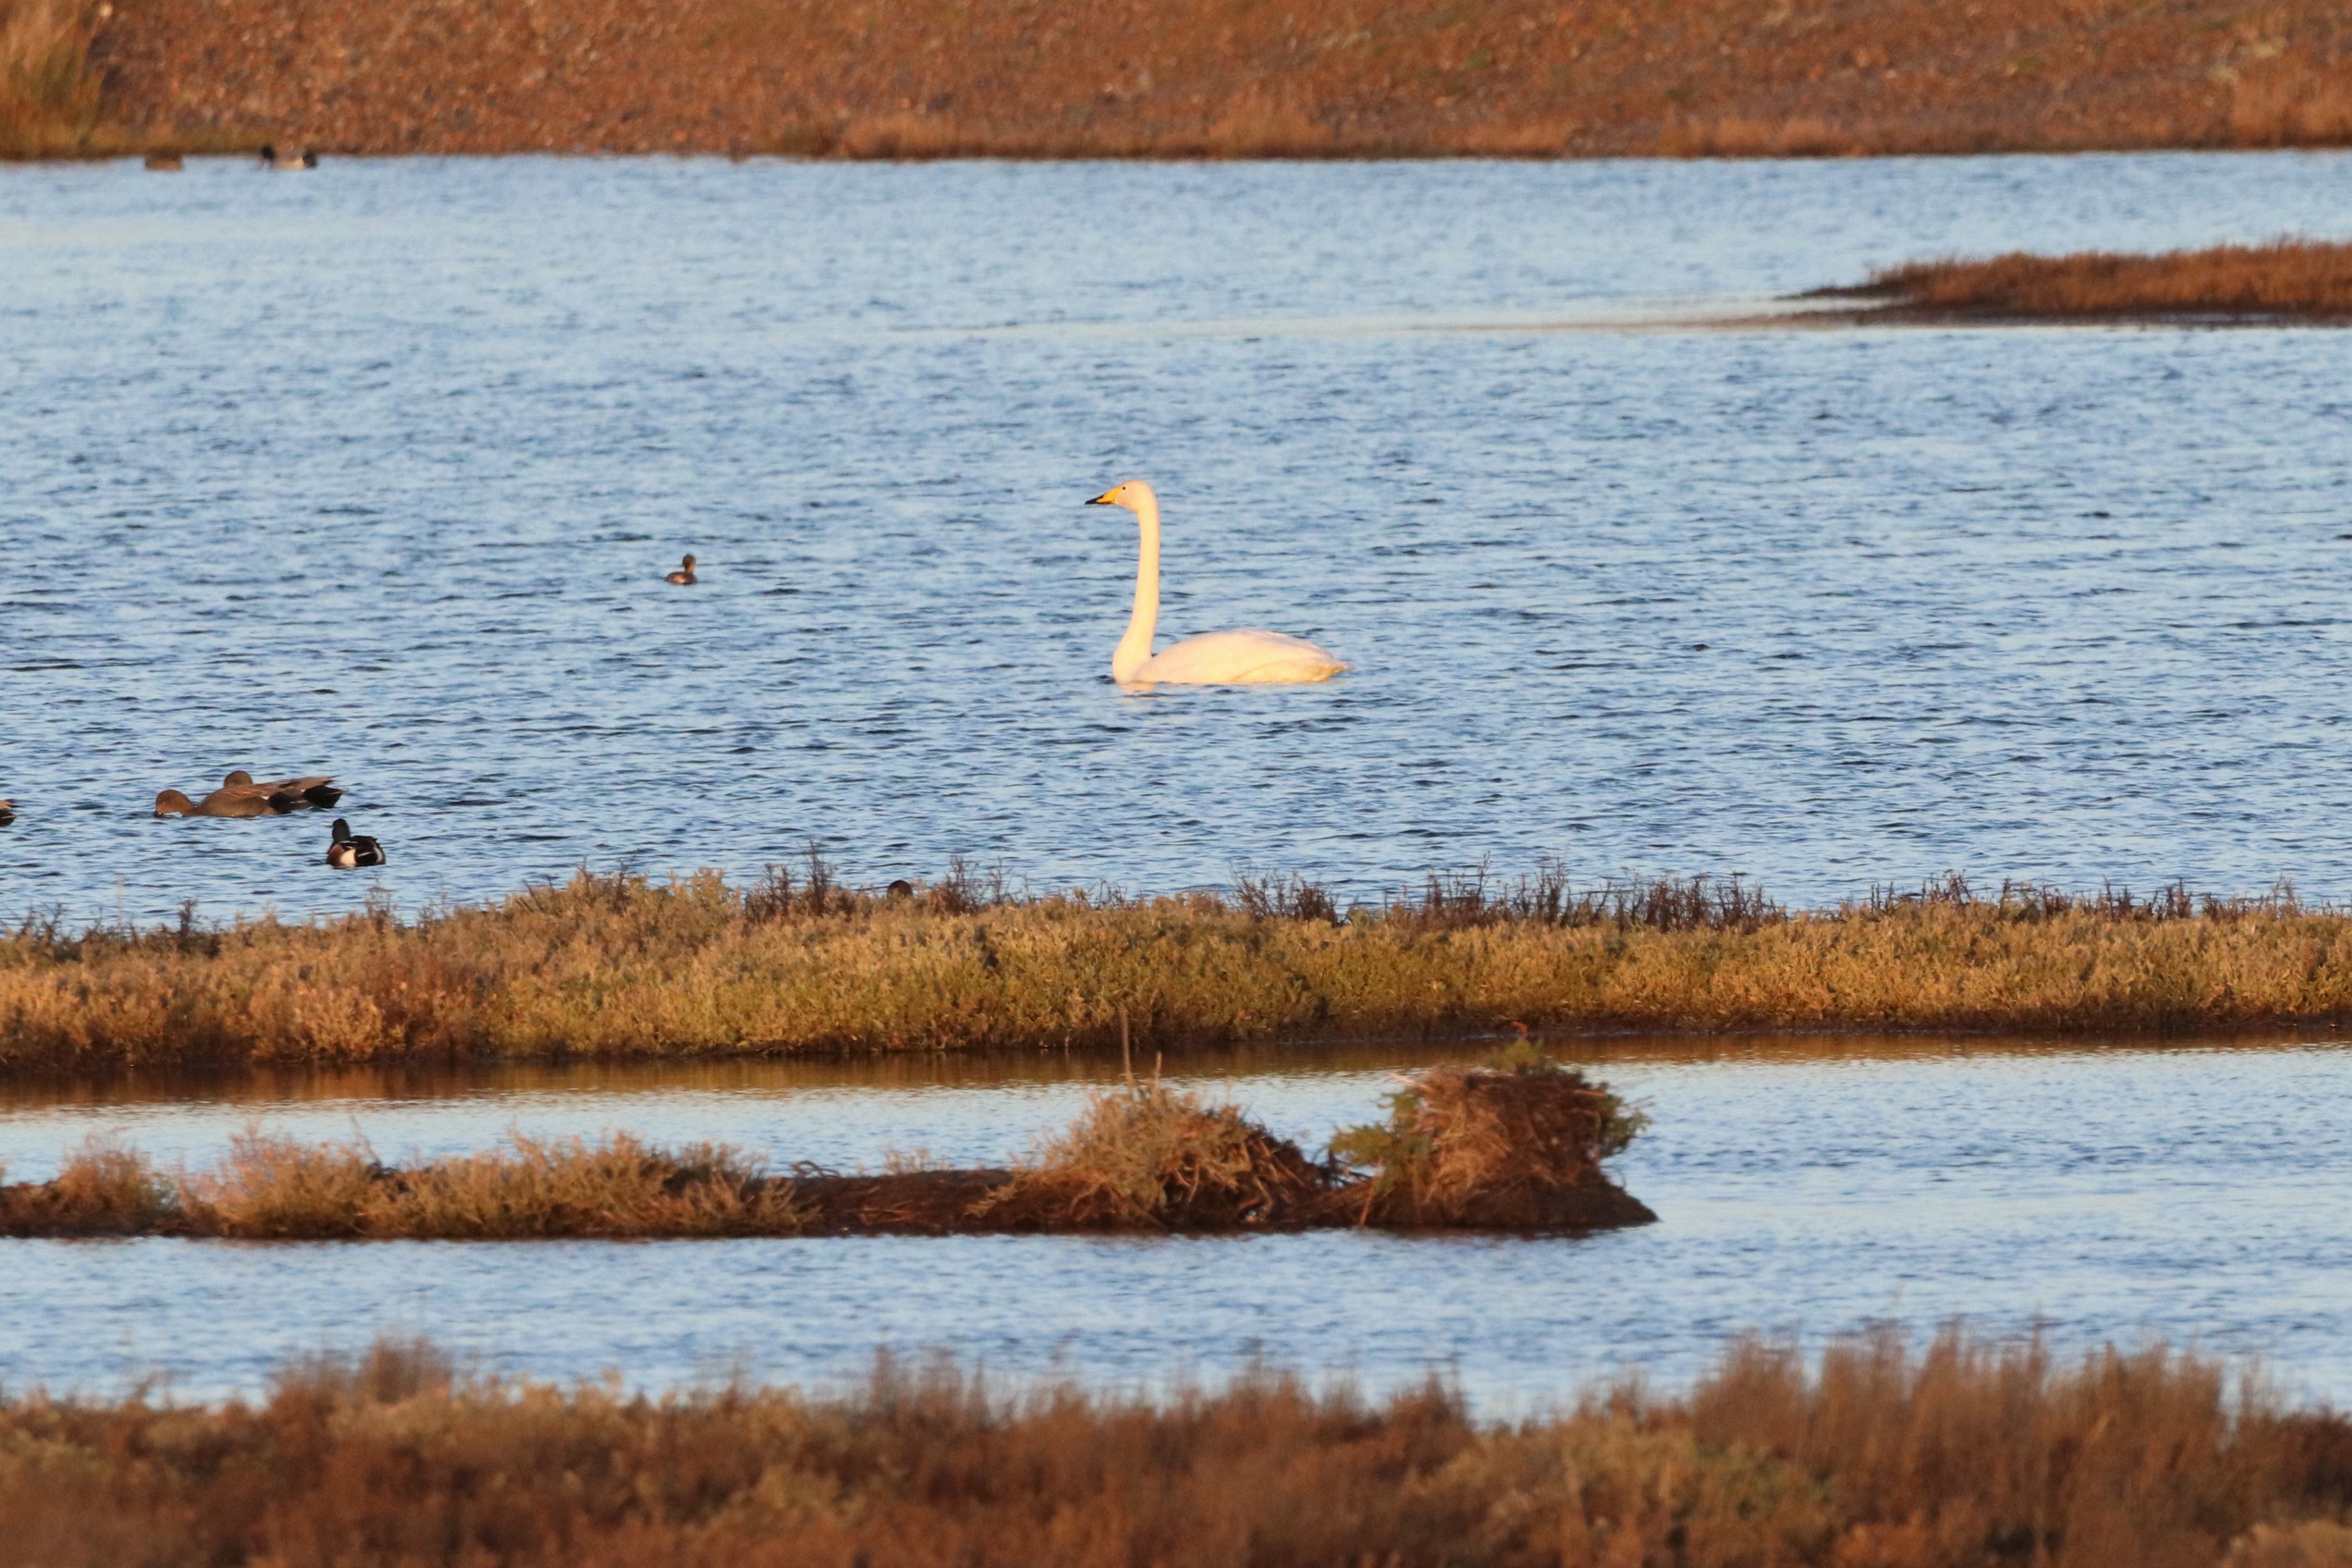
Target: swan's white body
pixel 1248 657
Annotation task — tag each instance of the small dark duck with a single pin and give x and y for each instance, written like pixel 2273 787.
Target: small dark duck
pixel 684 575
pixel 239 795
pixel 7 812
pixel 271 158
pixel 350 849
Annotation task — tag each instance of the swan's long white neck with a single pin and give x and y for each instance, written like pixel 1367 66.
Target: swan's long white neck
pixel 1135 648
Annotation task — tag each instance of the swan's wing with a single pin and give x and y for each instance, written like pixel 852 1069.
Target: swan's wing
pixel 1245 657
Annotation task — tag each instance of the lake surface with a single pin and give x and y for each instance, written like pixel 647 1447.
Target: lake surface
pixel 374 471
pixel 2104 1193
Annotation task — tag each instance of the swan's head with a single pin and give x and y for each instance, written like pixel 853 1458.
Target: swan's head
pixel 1133 494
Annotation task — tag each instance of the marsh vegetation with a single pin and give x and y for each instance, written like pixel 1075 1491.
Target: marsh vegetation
pixel 611 966
pixel 2295 278
pixel 1519 1144
pixel 1965 1453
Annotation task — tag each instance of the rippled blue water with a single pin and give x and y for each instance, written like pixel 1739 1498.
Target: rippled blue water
pixel 375 471
pixel 2104 1193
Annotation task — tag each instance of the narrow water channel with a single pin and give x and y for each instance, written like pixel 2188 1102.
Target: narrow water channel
pixel 2103 1192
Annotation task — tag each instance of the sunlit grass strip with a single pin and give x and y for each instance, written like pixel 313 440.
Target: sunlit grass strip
pixel 49 88
pixel 617 967
pixel 2304 278
pixel 1516 1144
pixel 279 1189
pixel 1964 1453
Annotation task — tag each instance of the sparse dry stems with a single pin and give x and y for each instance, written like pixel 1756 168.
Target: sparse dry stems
pixel 617 967
pixel 1965 1454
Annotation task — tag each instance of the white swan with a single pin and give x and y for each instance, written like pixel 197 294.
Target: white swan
pixel 1248 657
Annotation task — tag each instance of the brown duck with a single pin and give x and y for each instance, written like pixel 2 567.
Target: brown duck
pixel 239 795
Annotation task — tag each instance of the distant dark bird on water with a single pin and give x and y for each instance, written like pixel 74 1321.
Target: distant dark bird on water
pixel 273 159
pixel 239 795
pixel 7 812
pixel 901 888
pixel 684 574
pixel 350 849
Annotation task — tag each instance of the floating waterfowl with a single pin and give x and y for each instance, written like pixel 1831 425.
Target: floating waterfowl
pixel 273 159
pixel 239 795
pixel 167 162
pixel 290 794
pixel 684 575
pixel 7 812
pixel 901 888
pixel 1248 657
pixel 350 850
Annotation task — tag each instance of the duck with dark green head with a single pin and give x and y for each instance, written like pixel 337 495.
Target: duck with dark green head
pixel 348 849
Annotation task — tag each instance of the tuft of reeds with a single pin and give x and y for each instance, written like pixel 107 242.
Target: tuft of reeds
pixel 2302 279
pixel 1965 1454
pixel 1148 1158
pixel 1518 1143
pixel 619 966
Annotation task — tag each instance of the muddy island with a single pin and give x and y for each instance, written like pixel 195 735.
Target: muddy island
pixel 1515 1145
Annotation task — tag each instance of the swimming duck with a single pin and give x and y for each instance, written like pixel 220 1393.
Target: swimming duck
pixel 7 812
pixel 290 794
pixel 350 850
pixel 239 795
pixel 684 575
pixel 273 159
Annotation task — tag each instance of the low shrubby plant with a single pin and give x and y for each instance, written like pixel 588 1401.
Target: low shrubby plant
pixel 1147 1156
pixel 1965 1454
pixel 1511 1143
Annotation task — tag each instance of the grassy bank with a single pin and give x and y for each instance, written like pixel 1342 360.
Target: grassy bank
pixel 1519 1146
pixel 609 967
pixel 1967 1453
pixel 1209 78
pixel 2302 279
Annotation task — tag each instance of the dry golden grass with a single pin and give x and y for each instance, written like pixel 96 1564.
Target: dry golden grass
pixel 1965 1456
pixel 1143 1158
pixel 2307 278
pixel 1511 1144
pixel 50 91
pixel 610 967
pixel 1148 1158
pixel 1214 79
pixel 277 1190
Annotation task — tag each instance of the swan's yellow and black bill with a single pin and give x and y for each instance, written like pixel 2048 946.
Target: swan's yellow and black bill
pixel 1103 499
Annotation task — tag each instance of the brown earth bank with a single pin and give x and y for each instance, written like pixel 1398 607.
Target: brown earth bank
pixel 1517 1145
pixel 1967 1454
pixel 1174 78
pixel 2287 279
